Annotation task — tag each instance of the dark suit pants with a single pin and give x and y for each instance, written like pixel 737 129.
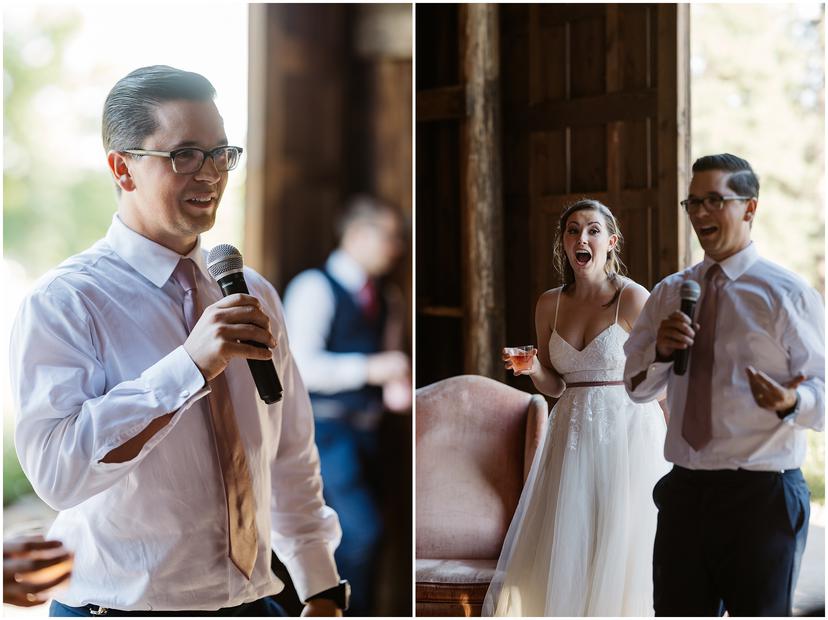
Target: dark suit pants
pixel 728 540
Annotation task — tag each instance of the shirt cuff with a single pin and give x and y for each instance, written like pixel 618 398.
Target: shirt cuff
pixel 805 400
pixel 313 570
pixel 655 371
pixel 175 380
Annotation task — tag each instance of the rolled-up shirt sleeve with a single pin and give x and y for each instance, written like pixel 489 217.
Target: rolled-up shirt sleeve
pixel 68 419
pixel 305 531
pixel 804 336
pixel 640 349
pixel 309 311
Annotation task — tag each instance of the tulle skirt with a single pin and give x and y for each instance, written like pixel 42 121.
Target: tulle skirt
pixel 581 540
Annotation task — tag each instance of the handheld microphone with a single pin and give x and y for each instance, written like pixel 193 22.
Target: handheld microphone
pixel 224 262
pixel 690 291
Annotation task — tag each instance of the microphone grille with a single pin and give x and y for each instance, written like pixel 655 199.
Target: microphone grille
pixel 690 290
pixel 224 259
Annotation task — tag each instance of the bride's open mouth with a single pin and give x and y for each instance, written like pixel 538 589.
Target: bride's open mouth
pixel 582 257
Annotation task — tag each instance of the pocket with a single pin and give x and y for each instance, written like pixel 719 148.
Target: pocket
pixel 797 501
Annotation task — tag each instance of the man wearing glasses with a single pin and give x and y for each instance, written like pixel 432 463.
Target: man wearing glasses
pixel 733 512
pixel 137 416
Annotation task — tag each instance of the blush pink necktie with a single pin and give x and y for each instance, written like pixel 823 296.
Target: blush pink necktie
pixel 238 489
pixel 697 426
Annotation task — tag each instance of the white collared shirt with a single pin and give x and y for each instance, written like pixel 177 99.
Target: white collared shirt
pixel 768 318
pixel 96 354
pixel 309 310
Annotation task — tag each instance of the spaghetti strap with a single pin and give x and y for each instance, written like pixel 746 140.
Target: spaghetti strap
pixel 557 304
pixel 618 303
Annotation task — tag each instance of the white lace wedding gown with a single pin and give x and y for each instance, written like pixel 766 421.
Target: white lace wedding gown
pixel 581 540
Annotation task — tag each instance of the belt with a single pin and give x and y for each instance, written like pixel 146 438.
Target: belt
pixel 98 610
pixel 593 383
pixel 732 473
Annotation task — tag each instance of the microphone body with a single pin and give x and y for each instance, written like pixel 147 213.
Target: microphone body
pixel 690 291
pixel 263 371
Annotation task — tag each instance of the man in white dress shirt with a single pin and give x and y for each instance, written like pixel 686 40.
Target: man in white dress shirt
pixel 733 512
pixel 346 329
pixel 118 385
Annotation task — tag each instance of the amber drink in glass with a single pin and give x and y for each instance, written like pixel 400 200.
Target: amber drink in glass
pixel 521 357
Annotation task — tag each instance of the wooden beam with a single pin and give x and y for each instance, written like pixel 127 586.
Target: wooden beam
pixel 257 109
pixel 440 104
pixel 673 136
pixel 613 85
pixel 586 111
pixel 483 208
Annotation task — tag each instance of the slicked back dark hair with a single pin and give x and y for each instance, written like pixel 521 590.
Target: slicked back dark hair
pixel 129 109
pixel 743 179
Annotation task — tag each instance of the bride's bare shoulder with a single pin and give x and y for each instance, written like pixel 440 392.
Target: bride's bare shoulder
pixel 549 298
pixel 633 290
pixel 634 296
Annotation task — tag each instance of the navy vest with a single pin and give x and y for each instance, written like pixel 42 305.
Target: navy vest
pixel 351 332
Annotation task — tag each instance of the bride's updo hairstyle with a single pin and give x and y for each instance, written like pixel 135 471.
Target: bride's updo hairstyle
pixel 613 267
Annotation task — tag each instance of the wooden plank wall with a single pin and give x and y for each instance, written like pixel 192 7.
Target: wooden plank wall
pixel 440 110
pixel 595 103
pixel 331 115
pixel 592 108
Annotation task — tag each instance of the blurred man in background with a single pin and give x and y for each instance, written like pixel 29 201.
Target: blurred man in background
pixel 346 329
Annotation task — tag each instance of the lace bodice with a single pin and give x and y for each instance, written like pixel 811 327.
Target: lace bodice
pixel 602 359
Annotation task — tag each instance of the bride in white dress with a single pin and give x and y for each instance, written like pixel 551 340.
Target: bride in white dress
pixel 581 540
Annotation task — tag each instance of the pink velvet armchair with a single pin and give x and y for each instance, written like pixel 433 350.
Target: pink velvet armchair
pixel 476 438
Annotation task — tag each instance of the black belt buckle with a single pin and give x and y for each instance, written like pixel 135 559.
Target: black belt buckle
pixel 97 610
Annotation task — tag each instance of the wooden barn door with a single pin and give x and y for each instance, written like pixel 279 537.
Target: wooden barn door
pixel 595 104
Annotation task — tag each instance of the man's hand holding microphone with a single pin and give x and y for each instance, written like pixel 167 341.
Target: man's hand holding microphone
pixel 224 331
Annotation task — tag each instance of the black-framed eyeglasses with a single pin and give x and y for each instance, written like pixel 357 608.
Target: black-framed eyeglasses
pixel 712 203
pixel 190 159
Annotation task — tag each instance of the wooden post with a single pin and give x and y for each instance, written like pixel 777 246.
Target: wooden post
pixel 482 220
pixel 673 136
pixel 258 66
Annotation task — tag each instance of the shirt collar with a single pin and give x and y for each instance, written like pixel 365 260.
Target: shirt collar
pixel 346 271
pixel 734 266
pixel 152 260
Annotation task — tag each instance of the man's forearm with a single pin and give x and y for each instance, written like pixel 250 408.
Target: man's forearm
pixel 132 447
pixel 637 379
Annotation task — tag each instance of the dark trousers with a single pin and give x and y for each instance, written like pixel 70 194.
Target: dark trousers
pixel 349 464
pixel 728 540
pixel 263 607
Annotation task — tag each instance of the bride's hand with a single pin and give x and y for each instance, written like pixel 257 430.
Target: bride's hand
pixel 507 358
pixel 529 371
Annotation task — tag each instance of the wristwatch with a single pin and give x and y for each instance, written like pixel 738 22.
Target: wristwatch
pixel 339 594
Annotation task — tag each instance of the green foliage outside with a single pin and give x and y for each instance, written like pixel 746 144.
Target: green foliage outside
pixel 814 467
pixel 757 79
pixel 51 208
pixel 757 91
pixel 15 483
